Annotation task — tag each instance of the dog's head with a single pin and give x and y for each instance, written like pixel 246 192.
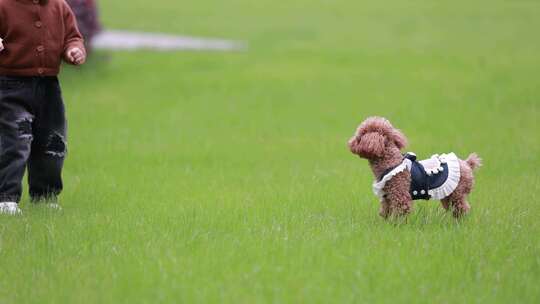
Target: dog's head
pixel 374 136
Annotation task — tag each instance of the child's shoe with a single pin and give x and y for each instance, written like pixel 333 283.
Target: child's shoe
pixel 50 202
pixel 10 208
pixel 54 206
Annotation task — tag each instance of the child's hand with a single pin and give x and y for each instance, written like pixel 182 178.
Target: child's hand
pixel 76 56
pixel 1 45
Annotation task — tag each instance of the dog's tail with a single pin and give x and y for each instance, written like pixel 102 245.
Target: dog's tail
pixel 474 161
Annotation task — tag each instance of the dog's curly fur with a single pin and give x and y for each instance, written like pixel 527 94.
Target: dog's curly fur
pixel 380 143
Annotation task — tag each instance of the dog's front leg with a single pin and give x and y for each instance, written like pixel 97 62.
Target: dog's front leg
pixel 397 194
pixel 400 205
pixel 384 212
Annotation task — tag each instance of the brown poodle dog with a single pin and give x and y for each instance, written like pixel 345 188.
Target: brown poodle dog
pixel 400 179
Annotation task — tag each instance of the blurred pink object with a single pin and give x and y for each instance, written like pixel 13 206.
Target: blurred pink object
pixel 87 15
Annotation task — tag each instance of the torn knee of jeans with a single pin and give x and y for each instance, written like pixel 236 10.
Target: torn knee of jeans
pixel 24 126
pixel 56 145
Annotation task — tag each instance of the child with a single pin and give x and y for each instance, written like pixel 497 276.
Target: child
pixel 34 36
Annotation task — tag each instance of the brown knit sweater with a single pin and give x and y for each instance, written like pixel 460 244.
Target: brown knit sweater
pixel 36 35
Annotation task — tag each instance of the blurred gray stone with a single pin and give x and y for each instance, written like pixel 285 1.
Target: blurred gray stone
pixel 130 41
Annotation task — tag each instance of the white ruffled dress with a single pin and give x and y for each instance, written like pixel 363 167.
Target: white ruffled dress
pixel 432 165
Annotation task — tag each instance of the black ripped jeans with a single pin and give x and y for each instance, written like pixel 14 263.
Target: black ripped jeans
pixel 32 135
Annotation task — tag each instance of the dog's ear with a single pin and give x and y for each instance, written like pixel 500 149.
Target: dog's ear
pixel 400 139
pixel 369 146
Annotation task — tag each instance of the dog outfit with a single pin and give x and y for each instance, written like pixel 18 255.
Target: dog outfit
pixel 433 178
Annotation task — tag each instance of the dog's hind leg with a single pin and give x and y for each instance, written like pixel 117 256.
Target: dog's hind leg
pixel 457 202
pixel 460 207
pixel 445 203
pixel 458 198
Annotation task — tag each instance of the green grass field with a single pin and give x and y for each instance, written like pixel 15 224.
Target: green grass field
pixel 225 177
